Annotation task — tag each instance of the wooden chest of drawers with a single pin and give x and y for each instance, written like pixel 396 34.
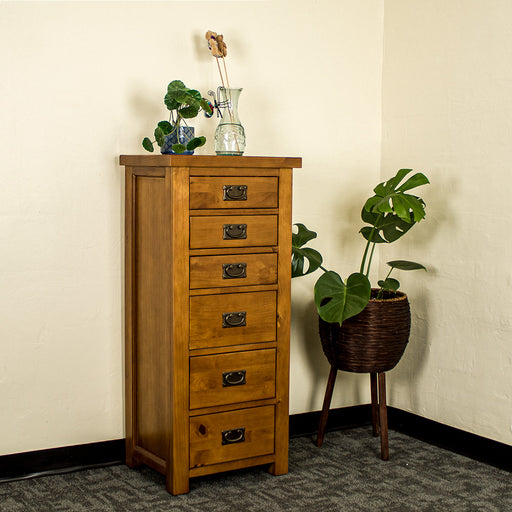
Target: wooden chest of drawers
pixel 208 243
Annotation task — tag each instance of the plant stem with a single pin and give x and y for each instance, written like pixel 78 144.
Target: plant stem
pixel 220 73
pixel 368 242
pixel 226 71
pixel 370 260
pixel 381 291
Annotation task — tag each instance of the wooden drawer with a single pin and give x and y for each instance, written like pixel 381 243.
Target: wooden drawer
pixel 233 192
pixel 233 435
pixel 231 378
pixel 232 319
pixel 233 231
pixel 233 270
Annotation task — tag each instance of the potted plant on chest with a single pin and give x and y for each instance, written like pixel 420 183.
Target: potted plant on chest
pixel 175 136
pixel 365 329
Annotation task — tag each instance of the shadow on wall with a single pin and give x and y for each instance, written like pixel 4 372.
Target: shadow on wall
pixel 305 320
pixel 414 361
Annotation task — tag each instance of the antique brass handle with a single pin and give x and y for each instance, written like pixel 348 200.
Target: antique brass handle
pixel 235 193
pixel 234 319
pixel 235 435
pixel 235 231
pixel 234 270
pixel 234 378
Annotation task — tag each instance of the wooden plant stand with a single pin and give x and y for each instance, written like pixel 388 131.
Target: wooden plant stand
pixel 379 409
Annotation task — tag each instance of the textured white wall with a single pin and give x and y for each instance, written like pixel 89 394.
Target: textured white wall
pixel 83 82
pixel 447 110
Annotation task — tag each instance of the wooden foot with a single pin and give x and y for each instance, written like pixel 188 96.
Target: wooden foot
pixel 131 459
pixel 383 418
pixel 375 404
pixel 326 405
pixel 177 486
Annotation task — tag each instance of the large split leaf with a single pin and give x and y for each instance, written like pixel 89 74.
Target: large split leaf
pixel 301 254
pixel 336 301
pixel 390 197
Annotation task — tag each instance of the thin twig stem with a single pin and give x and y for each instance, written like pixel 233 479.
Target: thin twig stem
pixel 220 73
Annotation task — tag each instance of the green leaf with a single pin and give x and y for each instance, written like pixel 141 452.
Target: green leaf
pixel 337 301
pixel 147 145
pixel 389 227
pixel 401 207
pixel 393 227
pixel 388 199
pixel 414 204
pixel 406 265
pixel 166 127
pixel 177 91
pixel 182 96
pixel 206 106
pixel 189 112
pixel 369 232
pixel 370 203
pixel 170 102
pixel 299 254
pixel 414 181
pixel 178 148
pixel 159 136
pixel 195 143
pixel 382 205
pixel 313 257
pixel 389 284
pixel 196 95
pixel 303 235
pixel 383 189
pixel 176 85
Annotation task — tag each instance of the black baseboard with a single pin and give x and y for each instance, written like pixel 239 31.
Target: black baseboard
pixel 73 458
pixel 344 417
pixel 450 438
pixel 453 439
pixel 19 466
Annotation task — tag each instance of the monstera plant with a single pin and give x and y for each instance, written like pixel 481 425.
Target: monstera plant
pixel 388 215
pixel 183 103
pixel 364 329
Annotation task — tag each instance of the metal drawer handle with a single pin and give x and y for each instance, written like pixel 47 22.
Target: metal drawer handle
pixel 234 319
pixel 235 193
pixel 236 378
pixel 235 231
pixel 234 270
pixel 235 435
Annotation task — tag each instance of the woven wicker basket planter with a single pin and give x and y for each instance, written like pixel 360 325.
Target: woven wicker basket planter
pixel 372 341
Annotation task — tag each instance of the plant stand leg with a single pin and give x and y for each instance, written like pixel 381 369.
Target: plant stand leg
pixel 326 405
pixel 375 404
pixel 383 418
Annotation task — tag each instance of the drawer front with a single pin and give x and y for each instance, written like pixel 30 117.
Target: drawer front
pixel 233 231
pixel 234 435
pixel 233 192
pixel 232 319
pixel 231 378
pixel 233 270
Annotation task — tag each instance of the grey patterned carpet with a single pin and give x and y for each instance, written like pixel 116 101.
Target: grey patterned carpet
pixel 345 474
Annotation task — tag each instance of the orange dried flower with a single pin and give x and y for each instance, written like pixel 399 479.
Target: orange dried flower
pixel 223 49
pixel 216 44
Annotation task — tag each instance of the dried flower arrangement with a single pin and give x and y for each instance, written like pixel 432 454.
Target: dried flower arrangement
pixel 219 50
pixel 230 134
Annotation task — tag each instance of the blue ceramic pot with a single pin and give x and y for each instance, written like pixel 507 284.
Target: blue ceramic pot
pixel 183 135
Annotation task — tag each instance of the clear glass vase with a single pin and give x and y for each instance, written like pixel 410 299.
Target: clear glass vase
pixel 230 134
